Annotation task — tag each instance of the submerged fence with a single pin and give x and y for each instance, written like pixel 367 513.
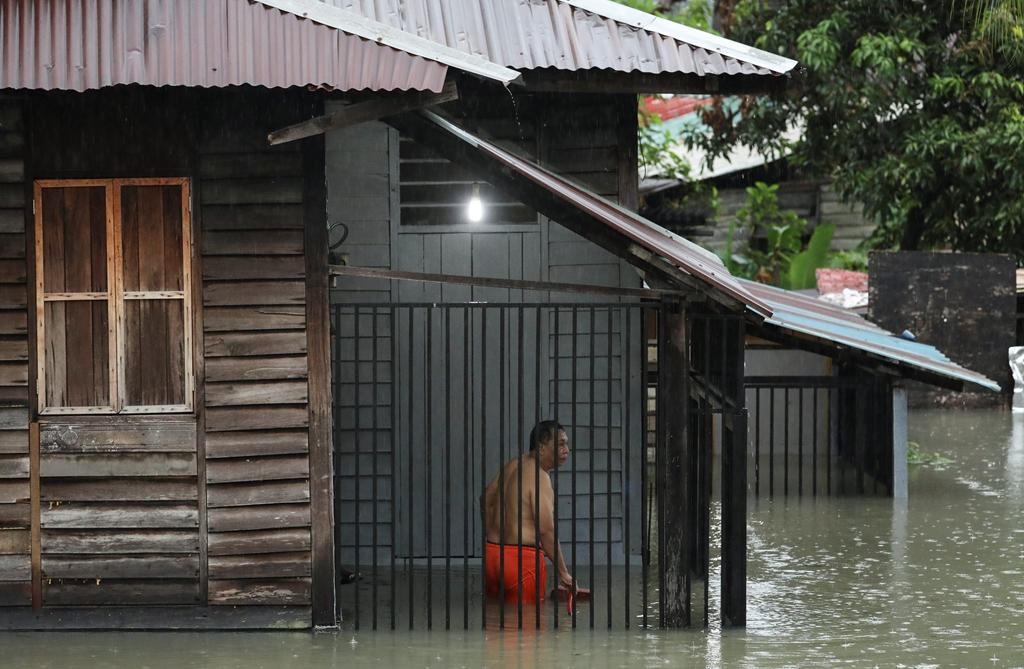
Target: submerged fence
pixel 431 399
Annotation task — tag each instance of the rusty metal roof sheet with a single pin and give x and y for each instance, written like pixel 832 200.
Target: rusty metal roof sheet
pixel 570 35
pixel 689 258
pixel 839 327
pixel 87 44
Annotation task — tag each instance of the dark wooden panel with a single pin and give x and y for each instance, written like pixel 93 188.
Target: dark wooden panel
pixel 228 319
pixel 231 268
pixel 13 396
pixel 255 368
pixel 264 492
pixel 12 221
pixel 12 170
pixel 13 296
pixel 14 350
pixel 252 191
pixel 254 344
pixel 85 515
pixel 150 566
pixel 74 239
pixel 15 567
pixel 16 594
pixel 119 435
pixel 190 616
pixel 15 542
pixel 241 592
pixel 12 246
pixel 13 374
pixel 247 293
pixel 13 467
pixel 13 322
pixel 119 490
pixel 252 217
pixel 233 165
pixel 13 441
pixel 14 515
pixel 243 444
pixel 117 542
pixel 13 491
pixel 93 593
pixel 252 242
pixel 275 392
pixel 154 353
pixel 260 541
pixel 271 516
pixel 77 351
pixel 13 419
pixel 280 565
pixel 257 469
pixel 151 239
pixel 118 465
pixel 224 419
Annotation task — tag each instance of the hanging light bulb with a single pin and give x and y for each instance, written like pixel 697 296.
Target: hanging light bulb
pixel 475 207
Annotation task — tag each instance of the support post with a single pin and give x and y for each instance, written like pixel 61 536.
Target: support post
pixel 734 496
pixel 321 475
pixel 899 442
pixel 674 370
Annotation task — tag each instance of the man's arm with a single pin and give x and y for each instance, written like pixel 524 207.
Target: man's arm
pixel 546 514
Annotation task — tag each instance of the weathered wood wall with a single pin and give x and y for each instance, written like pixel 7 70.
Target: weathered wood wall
pixel 256 414
pixel 15 534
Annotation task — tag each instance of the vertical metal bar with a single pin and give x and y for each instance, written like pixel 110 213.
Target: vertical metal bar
pixel 336 450
pixel 645 413
pixel 608 473
pixel 572 410
pixel 536 469
pixel 757 441
pixel 785 442
pixel 555 402
pixel 771 442
pixel 447 468
pixel 519 467
pixel 627 341
pixel 501 461
pixel 373 447
pixel 800 446
pixel 483 462
pixel 428 414
pixel 839 429
pixel 659 467
pixel 814 442
pixel 393 331
pixel 592 350
pixel 357 487
pixel 412 480
pixel 467 429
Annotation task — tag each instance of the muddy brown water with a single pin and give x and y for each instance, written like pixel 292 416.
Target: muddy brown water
pixel 934 582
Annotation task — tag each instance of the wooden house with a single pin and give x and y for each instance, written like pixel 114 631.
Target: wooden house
pixel 202 428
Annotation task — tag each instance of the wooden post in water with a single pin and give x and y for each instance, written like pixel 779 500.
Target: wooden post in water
pixel 899 442
pixel 678 533
pixel 734 497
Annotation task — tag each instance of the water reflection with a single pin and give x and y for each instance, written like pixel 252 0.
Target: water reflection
pixel 936 581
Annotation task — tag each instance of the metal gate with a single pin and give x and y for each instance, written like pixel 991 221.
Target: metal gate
pixel 429 401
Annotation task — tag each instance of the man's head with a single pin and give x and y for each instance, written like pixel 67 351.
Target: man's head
pixel 550 444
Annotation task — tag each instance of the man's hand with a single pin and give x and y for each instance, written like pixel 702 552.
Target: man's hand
pixel 566 581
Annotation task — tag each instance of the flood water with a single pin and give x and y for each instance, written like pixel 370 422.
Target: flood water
pixel 937 581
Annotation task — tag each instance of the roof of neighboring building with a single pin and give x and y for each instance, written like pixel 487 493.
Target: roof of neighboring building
pixel 571 35
pixel 88 44
pixel 810 317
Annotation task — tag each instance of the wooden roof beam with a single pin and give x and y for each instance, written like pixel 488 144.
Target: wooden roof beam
pixel 362 112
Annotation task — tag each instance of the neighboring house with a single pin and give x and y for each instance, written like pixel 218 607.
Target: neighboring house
pixel 813 200
pixel 184 442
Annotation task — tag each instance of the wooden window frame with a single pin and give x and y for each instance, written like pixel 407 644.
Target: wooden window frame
pixel 116 297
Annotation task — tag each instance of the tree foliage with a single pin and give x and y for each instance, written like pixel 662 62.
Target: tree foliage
pixel 912 107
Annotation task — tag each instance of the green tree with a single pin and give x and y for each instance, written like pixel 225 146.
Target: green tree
pixel 912 107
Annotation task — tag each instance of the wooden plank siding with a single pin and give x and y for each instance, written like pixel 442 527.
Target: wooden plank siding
pixel 119 515
pixel 15 545
pixel 256 370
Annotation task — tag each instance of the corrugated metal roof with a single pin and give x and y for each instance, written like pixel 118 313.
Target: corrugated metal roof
pixel 836 326
pixel 570 35
pixel 87 44
pixel 689 258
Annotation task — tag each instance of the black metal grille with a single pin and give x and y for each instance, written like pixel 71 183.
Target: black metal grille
pixel 430 400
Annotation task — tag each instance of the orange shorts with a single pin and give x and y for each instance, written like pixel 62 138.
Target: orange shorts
pixel 515 589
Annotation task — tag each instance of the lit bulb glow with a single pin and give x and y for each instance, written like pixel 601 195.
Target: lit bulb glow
pixel 475 210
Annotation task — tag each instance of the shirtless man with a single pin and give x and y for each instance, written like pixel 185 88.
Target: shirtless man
pixel 535 500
